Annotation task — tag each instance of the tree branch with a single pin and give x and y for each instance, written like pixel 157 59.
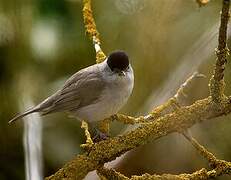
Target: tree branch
pixel 219 167
pixel 89 142
pixel 112 174
pixel 217 84
pixel 202 151
pixel 179 120
pixel 202 174
pixel 108 150
pixel 165 108
pixel 91 30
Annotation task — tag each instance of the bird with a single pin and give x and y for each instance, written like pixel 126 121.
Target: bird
pixel 93 93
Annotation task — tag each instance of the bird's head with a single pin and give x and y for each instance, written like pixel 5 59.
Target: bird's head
pixel 118 62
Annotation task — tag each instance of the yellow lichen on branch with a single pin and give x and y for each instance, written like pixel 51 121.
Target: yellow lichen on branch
pixel 91 30
pixel 100 56
pixel 104 125
pixel 89 21
pixel 89 142
pixel 218 167
pixel 158 123
pixel 202 174
pixel 108 150
pixel 203 152
pixel 112 174
pixel 217 84
pixel 131 120
pixel 165 108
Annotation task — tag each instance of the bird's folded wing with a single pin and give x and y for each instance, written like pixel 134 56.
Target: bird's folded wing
pixel 82 89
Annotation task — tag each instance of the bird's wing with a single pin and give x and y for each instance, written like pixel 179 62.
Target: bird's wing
pixel 82 89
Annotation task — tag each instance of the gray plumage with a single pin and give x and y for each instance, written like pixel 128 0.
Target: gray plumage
pixel 82 89
pixel 91 94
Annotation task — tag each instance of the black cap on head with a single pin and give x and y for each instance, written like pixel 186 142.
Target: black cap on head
pixel 118 60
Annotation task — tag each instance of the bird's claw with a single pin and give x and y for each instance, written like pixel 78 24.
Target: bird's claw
pixel 100 136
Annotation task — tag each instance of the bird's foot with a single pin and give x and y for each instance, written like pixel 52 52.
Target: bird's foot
pixel 100 136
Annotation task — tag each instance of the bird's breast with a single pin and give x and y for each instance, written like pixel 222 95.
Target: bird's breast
pixel 111 100
pixel 116 95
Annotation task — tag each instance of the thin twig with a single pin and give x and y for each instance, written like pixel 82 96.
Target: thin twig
pixel 108 150
pixel 181 119
pixel 202 150
pixel 162 109
pixel 180 91
pixel 202 174
pixel 217 84
pixel 91 30
pixel 89 142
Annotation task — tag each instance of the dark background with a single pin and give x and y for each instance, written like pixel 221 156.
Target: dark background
pixel 42 43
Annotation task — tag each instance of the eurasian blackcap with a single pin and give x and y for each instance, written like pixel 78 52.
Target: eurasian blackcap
pixel 93 93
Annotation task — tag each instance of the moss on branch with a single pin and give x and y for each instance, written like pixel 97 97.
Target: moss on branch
pixel 89 21
pixel 167 107
pixel 89 142
pixel 218 166
pixel 179 120
pixel 217 84
pixel 202 174
pixel 91 30
pixel 108 150
pixel 112 174
pixel 213 161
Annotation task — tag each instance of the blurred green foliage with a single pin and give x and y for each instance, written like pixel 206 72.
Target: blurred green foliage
pixel 43 42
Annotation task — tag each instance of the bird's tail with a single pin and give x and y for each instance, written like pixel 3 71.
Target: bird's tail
pixel 19 116
pixel 45 107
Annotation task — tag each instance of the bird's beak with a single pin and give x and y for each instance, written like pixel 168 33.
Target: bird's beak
pixel 121 73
